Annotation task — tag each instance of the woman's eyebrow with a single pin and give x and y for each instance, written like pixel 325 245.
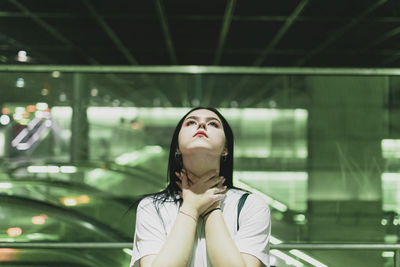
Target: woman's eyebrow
pixel 208 118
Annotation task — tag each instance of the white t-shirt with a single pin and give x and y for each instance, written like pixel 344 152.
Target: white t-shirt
pixel 252 238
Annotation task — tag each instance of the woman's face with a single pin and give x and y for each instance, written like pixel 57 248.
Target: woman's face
pixel 202 130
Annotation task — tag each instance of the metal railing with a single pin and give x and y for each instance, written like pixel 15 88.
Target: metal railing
pixel 203 70
pixel 121 245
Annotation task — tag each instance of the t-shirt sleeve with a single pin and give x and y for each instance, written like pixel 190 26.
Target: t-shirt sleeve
pixel 254 228
pixel 150 233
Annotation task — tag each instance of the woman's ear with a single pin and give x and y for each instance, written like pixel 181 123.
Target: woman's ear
pixel 225 151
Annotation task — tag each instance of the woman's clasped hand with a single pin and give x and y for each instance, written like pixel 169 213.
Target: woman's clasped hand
pixel 200 194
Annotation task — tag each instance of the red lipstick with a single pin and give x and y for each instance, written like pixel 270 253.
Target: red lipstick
pixel 203 133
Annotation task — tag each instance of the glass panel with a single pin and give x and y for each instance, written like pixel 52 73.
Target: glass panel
pixel 331 258
pixel 63 257
pixel 323 150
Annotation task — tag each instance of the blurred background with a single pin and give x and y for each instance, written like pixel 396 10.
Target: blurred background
pixel 91 91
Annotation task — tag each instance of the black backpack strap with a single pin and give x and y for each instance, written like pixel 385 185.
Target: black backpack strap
pixel 240 206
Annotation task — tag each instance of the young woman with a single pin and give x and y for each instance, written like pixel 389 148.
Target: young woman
pixel 194 221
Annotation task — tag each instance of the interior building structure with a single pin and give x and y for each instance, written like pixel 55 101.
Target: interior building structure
pixel 91 91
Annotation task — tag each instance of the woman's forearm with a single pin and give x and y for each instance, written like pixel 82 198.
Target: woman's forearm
pixel 221 249
pixel 178 247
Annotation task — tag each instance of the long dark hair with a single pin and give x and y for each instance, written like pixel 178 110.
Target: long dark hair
pixel 175 164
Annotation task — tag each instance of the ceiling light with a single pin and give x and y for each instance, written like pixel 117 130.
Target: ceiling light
pixel 84 199
pixel 19 110
pixel 5 185
pixel 63 97
pixel 40 219
pixel 17 116
pixel 5 111
pixel 22 56
pixel 43 169
pixel 69 201
pixel 300 114
pixel 94 92
pixel 42 106
pixel 55 74
pixel 390 148
pixel 20 82
pixel 300 218
pixel 45 91
pixel 68 169
pixel 388 254
pixel 31 108
pixel 4 119
pixel 73 201
pixel 14 231
pixel 22 53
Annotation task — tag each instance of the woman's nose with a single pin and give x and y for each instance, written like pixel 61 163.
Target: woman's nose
pixel 202 125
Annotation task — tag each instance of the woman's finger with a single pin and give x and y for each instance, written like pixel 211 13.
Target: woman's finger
pixel 214 182
pixel 222 189
pixel 184 180
pixel 218 197
pixel 193 178
pixel 189 178
pixel 210 175
pixel 178 175
pixel 218 190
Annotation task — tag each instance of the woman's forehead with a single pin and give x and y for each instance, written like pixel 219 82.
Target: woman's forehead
pixel 202 113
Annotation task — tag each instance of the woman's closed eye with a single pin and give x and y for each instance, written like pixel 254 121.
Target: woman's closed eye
pixel 215 124
pixel 212 123
pixel 190 122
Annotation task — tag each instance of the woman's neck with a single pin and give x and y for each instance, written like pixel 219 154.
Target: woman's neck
pixel 199 163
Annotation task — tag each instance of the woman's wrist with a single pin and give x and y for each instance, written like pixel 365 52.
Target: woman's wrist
pixel 208 213
pixel 187 214
pixel 188 209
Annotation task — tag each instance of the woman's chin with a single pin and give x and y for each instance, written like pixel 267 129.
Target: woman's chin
pixel 200 150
